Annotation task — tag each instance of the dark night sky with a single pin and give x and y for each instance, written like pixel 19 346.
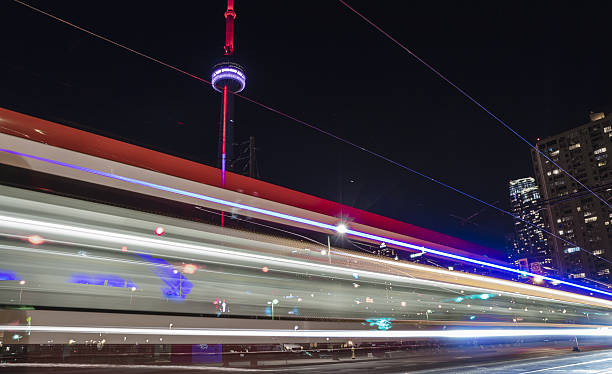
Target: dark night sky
pixel 541 66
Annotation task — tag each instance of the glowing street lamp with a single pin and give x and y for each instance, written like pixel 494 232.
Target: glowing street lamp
pixel 272 303
pixel 21 283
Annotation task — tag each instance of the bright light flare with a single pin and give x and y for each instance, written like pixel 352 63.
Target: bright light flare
pixel 538 280
pixel 124 249
pixel 36 239
pixel 159 231
pixel 265 269
pixel 189 268
pixel 341 228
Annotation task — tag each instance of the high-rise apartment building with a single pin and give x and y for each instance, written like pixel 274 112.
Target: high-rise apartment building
pixel 528 248
pixel 572 212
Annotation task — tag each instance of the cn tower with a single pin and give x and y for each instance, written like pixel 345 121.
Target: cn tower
pixel 228 78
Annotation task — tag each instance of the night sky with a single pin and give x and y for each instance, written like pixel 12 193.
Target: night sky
pixel 540 66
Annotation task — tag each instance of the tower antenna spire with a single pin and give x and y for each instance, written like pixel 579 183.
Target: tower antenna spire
pixel 230 16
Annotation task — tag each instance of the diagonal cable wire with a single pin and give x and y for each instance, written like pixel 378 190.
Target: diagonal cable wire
pixel 473 100
pixel 110 41
pixel 373 153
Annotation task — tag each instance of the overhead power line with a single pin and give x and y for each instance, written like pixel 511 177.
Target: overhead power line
pixel 472 99
pixel 110 41
pixel 366 150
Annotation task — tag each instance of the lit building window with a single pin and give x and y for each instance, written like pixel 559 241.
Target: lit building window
pixel 571 250
pixel 602 163
pixel 598 252
pixel 600 150
pixel 554 153
pixel 578 275
pixel 555 172
pixel 574 146
pixel 607 129
pixel 549 173
pixel 561 232
pixel 590 219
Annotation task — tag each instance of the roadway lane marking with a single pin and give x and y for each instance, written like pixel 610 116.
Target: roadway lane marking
pixel 568 365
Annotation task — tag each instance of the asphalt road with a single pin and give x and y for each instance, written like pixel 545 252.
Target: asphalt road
pixel 543 361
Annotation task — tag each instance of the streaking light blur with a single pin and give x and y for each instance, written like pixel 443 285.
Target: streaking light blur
pixel 448 333
pixel 303 220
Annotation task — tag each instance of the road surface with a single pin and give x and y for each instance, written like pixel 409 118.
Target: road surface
pixel 544 361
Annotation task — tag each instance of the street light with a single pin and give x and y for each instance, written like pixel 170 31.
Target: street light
pixel 272 303
pixel 21 283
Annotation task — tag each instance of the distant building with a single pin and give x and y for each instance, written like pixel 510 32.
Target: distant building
pixel 572 212
pixel 528 246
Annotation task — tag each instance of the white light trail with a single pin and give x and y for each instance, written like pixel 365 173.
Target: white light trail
pixel 291 333
pixel 181 247
pixel 502 282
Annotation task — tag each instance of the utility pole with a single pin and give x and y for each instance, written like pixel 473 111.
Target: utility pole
pixel 252 156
